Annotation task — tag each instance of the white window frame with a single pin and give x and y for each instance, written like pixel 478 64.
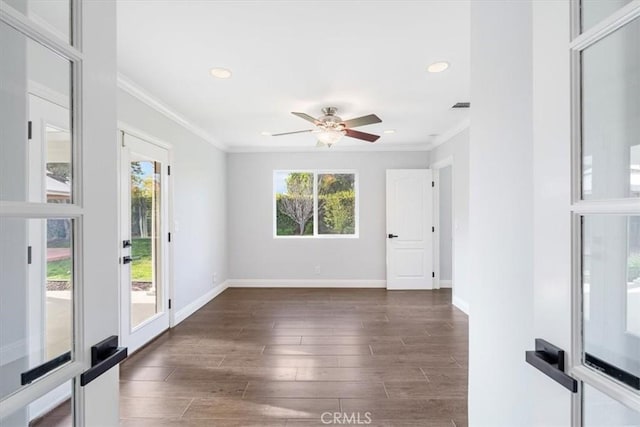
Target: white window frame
pixel 70 50
pixel 315 173
pixel 579 208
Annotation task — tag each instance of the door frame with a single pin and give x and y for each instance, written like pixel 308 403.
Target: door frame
pixel 126 128
pixel 435 167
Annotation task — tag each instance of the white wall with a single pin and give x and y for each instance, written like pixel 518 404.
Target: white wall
pixel 446 223
pixel 457 148
pixel 255 254
pixel 198 174
pixel 501 214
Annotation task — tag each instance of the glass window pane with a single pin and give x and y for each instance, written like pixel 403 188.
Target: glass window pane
pixel 599 410
pixel 610 111
pixel 611 295
pixel 36 298
pixel 53 15
pixel 294 203
pixel 336 203
pixel 594 11
pixel 145 239
pixel 35 118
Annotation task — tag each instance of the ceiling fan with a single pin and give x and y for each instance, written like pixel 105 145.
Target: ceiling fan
pixel 331 128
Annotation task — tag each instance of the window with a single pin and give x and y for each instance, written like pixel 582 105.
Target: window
pixel 606 212
pixel 315 204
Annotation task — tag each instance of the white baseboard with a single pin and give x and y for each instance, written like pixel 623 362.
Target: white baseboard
pixel 196 305
pixel 303 283
pixel 461 304
pixel 446 284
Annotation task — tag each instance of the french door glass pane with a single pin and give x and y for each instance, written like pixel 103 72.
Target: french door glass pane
pixel 36 298
pixel 599 410
pixel 336 203
pixel 610 111
pixel 145 234
pixel 53 15
pixel 594 11
pixel 294 203
pixel 611 295
pixel 35 121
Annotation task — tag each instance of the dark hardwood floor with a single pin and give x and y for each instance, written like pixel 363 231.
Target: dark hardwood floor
pixel 285 357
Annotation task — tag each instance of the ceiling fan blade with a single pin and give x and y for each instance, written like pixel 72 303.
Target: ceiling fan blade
pixel 291 133
pixel 361 135
pixel 361 121
pixel 306 117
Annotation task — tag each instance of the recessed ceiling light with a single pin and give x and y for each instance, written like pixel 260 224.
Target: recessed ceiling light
pixel 390 131
pixel 438 67
pixel 265 133
pixel 221 73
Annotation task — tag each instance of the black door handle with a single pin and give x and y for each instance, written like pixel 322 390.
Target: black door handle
pixel 126 243
pixel 391 236
pixel 126 259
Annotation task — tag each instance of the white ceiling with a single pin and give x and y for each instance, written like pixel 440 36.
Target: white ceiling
pixel 360 56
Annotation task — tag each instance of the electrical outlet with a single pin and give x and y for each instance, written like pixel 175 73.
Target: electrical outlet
pixel 215 278
pixel 317 269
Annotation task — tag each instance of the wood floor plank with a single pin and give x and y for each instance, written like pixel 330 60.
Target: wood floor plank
pixel 317 350
pixel 315 389
pixel 283 357
pixel 260 408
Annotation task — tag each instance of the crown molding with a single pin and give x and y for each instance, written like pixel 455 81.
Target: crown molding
pixel 453 131
pixel 337 147
pixel 127 85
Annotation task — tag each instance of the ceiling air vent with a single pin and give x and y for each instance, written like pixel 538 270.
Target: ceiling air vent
pixel 462 105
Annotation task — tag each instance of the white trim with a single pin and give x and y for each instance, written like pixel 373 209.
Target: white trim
pixel 34 31
pixel 446 284
pixel 446 136
pixel 304 283
pixel 461 304
pixel 196 305
pixel 137 92
pixel 311 148
pixel 609 25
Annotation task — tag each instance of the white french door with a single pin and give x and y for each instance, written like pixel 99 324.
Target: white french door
pixel 145 241
pixel 58 251
pixel 409 229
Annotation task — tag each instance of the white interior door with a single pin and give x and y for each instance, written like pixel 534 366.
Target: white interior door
pixel 409 229
pixel 145 239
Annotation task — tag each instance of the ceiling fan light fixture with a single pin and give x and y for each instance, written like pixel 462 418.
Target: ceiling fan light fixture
pixel 390 131
pixel 438 67
pixel 220 73
pixel 330 136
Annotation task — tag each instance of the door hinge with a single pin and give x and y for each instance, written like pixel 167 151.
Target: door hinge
pixel 168 169
pixel 169 304
pixel 169 236
pixel 29 129
pixel 433 183
pixel 29 255
pixel 433 229
pixel 433 274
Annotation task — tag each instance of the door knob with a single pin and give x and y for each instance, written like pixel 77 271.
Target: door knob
pixel 391 236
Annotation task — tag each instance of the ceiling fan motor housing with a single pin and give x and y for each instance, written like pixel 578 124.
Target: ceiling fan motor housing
pixel 330 120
